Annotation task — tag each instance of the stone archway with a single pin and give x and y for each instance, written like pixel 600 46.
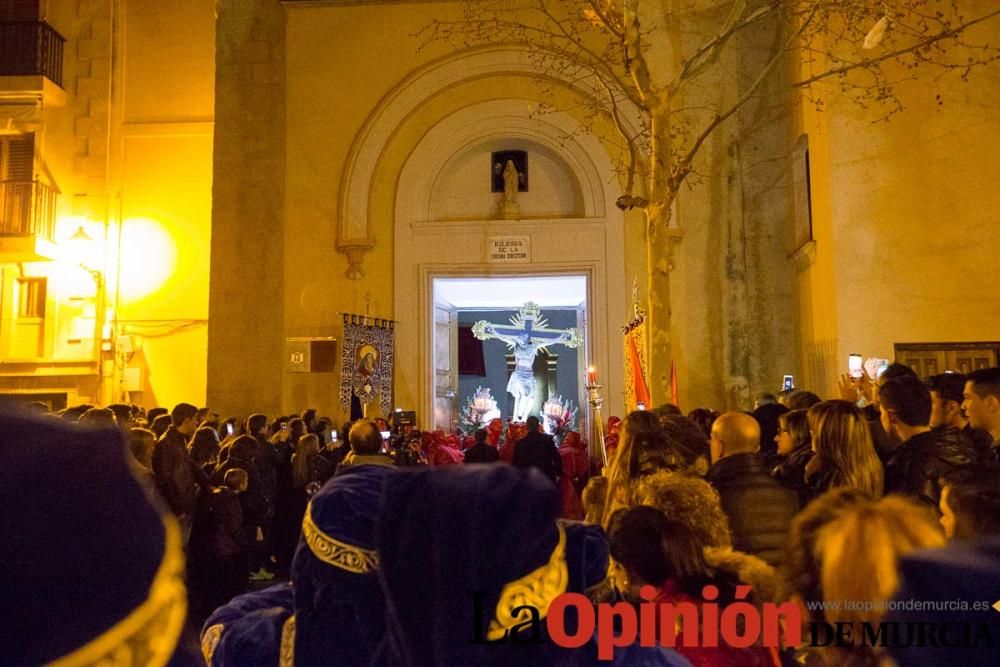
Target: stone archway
pixel 583 237
pixel 357 217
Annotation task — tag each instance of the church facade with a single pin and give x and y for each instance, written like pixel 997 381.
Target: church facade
pixel 299 161
pixel 375 148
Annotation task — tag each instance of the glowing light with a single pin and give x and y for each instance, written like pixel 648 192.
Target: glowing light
pixel 148 258
pixel 80 241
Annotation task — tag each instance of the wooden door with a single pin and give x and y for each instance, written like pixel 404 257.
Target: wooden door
pixel 445 367
pixel 933 358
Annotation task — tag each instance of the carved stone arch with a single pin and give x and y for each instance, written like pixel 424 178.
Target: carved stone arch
pixel 585 161
pixel 354 224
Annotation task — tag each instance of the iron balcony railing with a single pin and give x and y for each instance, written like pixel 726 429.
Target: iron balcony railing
pixel 31 48
pixel 27 208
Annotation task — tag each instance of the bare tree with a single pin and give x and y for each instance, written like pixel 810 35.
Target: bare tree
pixel 652 56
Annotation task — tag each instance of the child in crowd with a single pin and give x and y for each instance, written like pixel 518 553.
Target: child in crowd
pixel 227 543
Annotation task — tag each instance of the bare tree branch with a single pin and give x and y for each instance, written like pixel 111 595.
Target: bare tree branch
pixel 635 59
pixel 709 52
pixel 891 55
pixel 683 166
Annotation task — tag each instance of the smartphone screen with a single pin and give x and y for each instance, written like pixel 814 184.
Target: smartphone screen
pixel 385 434
pixel 787 383
pixel 855 366
pixel 229 429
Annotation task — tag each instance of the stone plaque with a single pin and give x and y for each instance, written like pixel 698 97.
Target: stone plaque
pixel 508 249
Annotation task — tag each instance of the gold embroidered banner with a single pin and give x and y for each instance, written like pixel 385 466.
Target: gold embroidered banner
pixel 366 364
pixel 636 387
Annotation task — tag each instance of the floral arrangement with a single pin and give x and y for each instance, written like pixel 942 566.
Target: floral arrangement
pixel 560 416
pixel 479 409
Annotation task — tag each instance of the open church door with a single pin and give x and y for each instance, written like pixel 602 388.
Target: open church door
pixel 445 367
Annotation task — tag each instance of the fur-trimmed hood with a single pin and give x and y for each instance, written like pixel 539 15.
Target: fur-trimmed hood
pixel 749 570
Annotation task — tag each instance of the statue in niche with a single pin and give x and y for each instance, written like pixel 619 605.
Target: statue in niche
pixel 510 176
pixel 526 334
pixel 509 210
pixel 510 183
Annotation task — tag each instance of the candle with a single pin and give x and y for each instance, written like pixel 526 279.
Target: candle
pixel 591 376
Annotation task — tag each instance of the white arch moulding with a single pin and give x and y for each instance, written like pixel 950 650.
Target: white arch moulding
pixel 354 223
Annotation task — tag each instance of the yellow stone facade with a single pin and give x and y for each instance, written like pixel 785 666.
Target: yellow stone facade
pixel 213 164
pixel 125 139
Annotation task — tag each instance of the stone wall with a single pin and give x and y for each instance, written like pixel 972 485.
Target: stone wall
pixel 245 356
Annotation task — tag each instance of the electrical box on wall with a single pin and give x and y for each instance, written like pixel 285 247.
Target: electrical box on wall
pixel 311 355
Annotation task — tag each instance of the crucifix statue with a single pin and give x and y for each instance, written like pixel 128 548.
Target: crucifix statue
pixel 526 334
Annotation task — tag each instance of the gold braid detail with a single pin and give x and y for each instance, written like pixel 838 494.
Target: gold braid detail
pixel 286 655
pixel 536 589
pixel 334 552
pixel 148 636
pixel 210 641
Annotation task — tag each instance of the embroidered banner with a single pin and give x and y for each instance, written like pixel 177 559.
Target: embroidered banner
pixel 366 364
pixel 636 387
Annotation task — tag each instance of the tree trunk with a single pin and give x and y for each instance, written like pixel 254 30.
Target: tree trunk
pixel 661 196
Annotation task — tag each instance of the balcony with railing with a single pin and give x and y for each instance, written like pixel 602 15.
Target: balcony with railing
pixel 31 58
pixel 27 221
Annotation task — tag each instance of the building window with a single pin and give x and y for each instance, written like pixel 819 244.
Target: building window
pixel 31 297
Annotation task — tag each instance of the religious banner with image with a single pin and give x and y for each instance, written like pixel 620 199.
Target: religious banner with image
pixel 366 363
pixel 636 387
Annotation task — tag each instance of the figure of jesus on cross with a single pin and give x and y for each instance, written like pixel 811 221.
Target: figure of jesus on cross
pixel 526 334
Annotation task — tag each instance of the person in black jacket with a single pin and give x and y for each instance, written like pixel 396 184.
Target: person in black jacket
pixel 759 508
pixel 946 411
pixel 481 452
pixel 176 474
pixel 226 569
pixel 982 407
pixel 243 455
pixel 916 467
pixel 539 450
pixel 795 449
pixel 267 470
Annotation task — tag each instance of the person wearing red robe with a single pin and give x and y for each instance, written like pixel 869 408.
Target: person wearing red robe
pixel 443 450
pixel 611 435
pixel 515 431
pixel 575 466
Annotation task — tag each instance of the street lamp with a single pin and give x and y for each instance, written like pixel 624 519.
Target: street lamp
pixel 81 238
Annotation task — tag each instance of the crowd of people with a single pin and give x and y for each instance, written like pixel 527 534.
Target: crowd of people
pixel 373 544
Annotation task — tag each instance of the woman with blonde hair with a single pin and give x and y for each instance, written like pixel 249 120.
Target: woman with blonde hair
pixel 642 450
pixel 844 451
pixel 859 554
pixel 306 449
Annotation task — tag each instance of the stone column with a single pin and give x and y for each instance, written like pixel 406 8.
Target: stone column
pixel 245 339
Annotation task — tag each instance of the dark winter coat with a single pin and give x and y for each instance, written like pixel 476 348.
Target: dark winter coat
pixel 539 450
pixel 916 467
pixel 252 500
pixel 267 468
pixel 792 473
pixel 759 508
pixel 227 534
pixel 981 441
pixel 176 474
pixel 482 453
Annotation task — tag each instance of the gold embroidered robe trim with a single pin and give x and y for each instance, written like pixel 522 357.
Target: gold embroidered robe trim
pixel 334 552
pixel 536 589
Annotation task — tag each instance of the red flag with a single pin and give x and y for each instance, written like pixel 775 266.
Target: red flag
pixel 641 388
pixel 673 384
